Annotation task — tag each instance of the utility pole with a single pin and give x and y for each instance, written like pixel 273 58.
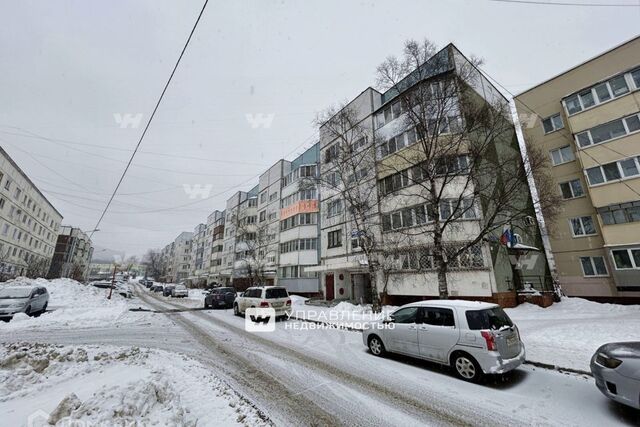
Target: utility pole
pixel 113 280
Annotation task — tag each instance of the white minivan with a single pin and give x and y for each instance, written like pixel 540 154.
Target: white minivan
pixel 475 338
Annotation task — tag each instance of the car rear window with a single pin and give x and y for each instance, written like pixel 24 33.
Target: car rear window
pixel 277 293
pixel 224 290
pixel 492 318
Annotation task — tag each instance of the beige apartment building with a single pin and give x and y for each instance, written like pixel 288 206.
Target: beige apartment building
pixel 588 119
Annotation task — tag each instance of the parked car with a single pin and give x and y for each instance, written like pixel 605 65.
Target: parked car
pixel 220 297
pixel 475 338
pixel 616 368
pixel 166 291
pixel 180 291
pixel 275 297
pixel 31 300
pixel 156 288
pixel 148 284
pixel 124 290
pixel 103 284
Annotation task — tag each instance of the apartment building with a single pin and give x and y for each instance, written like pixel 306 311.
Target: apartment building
pixel 588 119
pixel 388 183
pixel 198 273
pixel 232 212
pixel 29 223
pixel 298 225
pixel 268 226
pixel 177 258
pixel 72 255
pixel 215 225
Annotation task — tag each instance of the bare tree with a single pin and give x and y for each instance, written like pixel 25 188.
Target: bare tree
pixel 156 264
pixel 454 153
pixel 254 247
pixel 36 267
pixel 77 271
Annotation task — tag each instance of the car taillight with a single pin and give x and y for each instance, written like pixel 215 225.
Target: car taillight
pixel 264 304
pixel 490 339
pixel 288 302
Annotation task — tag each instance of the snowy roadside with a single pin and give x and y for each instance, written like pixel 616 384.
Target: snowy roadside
pixel 69 385
pixel 73 304
pixel 564 335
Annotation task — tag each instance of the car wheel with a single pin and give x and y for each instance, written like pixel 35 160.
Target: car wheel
pixel 376 346
pixel 28 311
pixel 205 304
pixel 467 368
pixel 236 310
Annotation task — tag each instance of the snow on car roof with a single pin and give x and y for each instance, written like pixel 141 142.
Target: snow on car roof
pixel 455 303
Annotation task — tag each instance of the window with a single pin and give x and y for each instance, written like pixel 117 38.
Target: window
pixel 451 165
pixel 331 153
pixel 626 259
pixel 571 189
pixel 398 142
pixel 601 92
pixel 553 123
pixel 405 315
pixel 7 184
pixel 492 318
pixel 394 182
pixel 253 202
pixel 608 131
pixel 334 239
pixel 263 216
pixel 1 203
pixel 334 207
pixel 620 214
pixel 593 266
pixel 438 316
pixel 562 155
pixel 458 208
pixel 273 196
pixel 625 168
pixel 582 226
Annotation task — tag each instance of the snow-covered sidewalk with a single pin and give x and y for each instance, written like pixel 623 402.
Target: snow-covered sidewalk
pixel 564 335
pixel 87 385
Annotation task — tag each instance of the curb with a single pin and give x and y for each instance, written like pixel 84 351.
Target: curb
pixel 526 362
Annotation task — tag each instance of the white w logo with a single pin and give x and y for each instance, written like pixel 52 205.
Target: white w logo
pixel 128 120
pixel 260 120
pixel 197 190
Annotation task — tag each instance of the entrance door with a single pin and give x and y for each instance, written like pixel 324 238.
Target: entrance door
pixel 329 288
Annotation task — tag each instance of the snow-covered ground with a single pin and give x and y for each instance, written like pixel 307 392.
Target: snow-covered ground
pixel 568 333
pixel 90 385
pixel 72 304
pixel 565 335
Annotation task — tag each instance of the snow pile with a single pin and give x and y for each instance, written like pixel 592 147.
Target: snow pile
pixel 567 333
pixel 71 303
pixel 107 386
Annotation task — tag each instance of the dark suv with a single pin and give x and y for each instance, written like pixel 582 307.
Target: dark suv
pixel 220 297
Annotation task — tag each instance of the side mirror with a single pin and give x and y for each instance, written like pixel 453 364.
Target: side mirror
pixel 390 319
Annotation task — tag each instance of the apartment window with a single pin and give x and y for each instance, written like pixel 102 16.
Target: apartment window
pixel 582 226
pixel 1 203
pixel 452 165
pixel 263 197
pixel 571 189
pixel 253 202
pixel 635 76
pixel 562 155
pixel 331 153
pixel 609 131
pixel 394 182
pixel 5 229
pixel 334 239
pixel 599 93
pixel 626 259
pixel 553 123
pixel 7 184
pixel 273 196
pixel 620 214
pixel 614 171
pixel 334 207
pixel 593 266
pixel 458 208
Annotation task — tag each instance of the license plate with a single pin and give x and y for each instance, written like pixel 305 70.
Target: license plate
pixel 277 304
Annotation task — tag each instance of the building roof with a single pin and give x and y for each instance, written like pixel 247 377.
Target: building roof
pixel 24 175
pixel 580 65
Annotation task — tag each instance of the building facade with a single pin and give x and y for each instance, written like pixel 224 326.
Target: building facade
pixel 72 256
pixel 29 223
pixel 588 119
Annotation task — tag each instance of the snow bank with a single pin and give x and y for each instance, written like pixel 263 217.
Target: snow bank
pixel 72 303
pixel 567 333
pixel 92 385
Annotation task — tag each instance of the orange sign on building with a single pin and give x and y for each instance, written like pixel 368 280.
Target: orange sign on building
pixel 303 206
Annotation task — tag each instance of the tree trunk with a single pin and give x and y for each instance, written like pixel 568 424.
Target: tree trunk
pixel 442 266
pixel 376 305
pixel 443 290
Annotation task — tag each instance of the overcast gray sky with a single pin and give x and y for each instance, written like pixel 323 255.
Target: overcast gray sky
pixel 68 66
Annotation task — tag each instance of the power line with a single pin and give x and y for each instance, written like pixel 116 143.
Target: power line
pixel 153 113
pixel 562 3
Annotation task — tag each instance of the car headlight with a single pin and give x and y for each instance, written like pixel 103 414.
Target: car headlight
pixel 607 361
pixel 16 305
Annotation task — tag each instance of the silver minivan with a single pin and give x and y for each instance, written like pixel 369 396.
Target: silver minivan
pixel 475 338
pixel 32 300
